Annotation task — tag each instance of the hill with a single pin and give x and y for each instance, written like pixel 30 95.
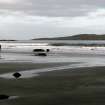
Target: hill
pixel 77 37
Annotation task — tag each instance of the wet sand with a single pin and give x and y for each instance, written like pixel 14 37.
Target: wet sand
pixel 58 79
pixel 67 76
pixel 47 67
pixel 71 86
pixel 78 86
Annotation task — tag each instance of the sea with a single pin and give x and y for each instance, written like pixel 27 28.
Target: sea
pixel 82 53
pixel 55 46
pixel 92 51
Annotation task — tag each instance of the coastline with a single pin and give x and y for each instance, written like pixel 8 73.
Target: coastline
pixel 73 77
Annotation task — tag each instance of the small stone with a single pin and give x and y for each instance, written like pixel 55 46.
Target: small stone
pixel 3 97
pixel 16 75
pixel 48 50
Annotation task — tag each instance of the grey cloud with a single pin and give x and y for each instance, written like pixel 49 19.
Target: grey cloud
pixel 54 8
pixel 44 22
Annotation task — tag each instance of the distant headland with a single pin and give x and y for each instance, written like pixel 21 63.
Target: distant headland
pixel 77 37
pixel 7 40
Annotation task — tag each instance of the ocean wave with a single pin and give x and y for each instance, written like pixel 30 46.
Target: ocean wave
pixel 28 47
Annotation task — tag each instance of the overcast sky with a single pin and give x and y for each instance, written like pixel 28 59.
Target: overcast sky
pixel 26 19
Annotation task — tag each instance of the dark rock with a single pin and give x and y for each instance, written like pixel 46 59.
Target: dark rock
pixel 48 50
pixel 0 47
pixel 41 54
pixel 3 97
pixel 16 75
pixel 38 50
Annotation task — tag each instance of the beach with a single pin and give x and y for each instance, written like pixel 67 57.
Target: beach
pixel 66 76
pixel 79 86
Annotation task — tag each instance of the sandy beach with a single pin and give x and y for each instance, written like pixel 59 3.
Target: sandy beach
pixel 78 86
pixel 66 76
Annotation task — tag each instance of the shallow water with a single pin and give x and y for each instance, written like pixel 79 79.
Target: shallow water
pixel 86 60
pixel 13 97
pixel 35 72
pixel 88 56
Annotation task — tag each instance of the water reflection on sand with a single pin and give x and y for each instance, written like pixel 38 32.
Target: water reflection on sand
pixel 22 52
pixel 86 60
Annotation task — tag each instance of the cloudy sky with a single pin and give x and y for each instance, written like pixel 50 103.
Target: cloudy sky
pixel 26 19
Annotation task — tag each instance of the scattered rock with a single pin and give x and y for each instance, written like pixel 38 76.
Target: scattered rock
pixel 48 50
pixel 41 54
pixel 38 50
pixel 3 97
pixel 16 75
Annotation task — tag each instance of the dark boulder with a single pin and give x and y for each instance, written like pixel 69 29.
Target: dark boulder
pixel 0 47
pixel 41 54
pixel 48 50
pixel 3 97
pixel 17 75
pixel 38 50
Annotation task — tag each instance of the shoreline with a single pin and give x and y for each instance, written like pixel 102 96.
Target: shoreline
pixel 78 86
pixel 74 71
pixel 48 69
pixel 31 72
